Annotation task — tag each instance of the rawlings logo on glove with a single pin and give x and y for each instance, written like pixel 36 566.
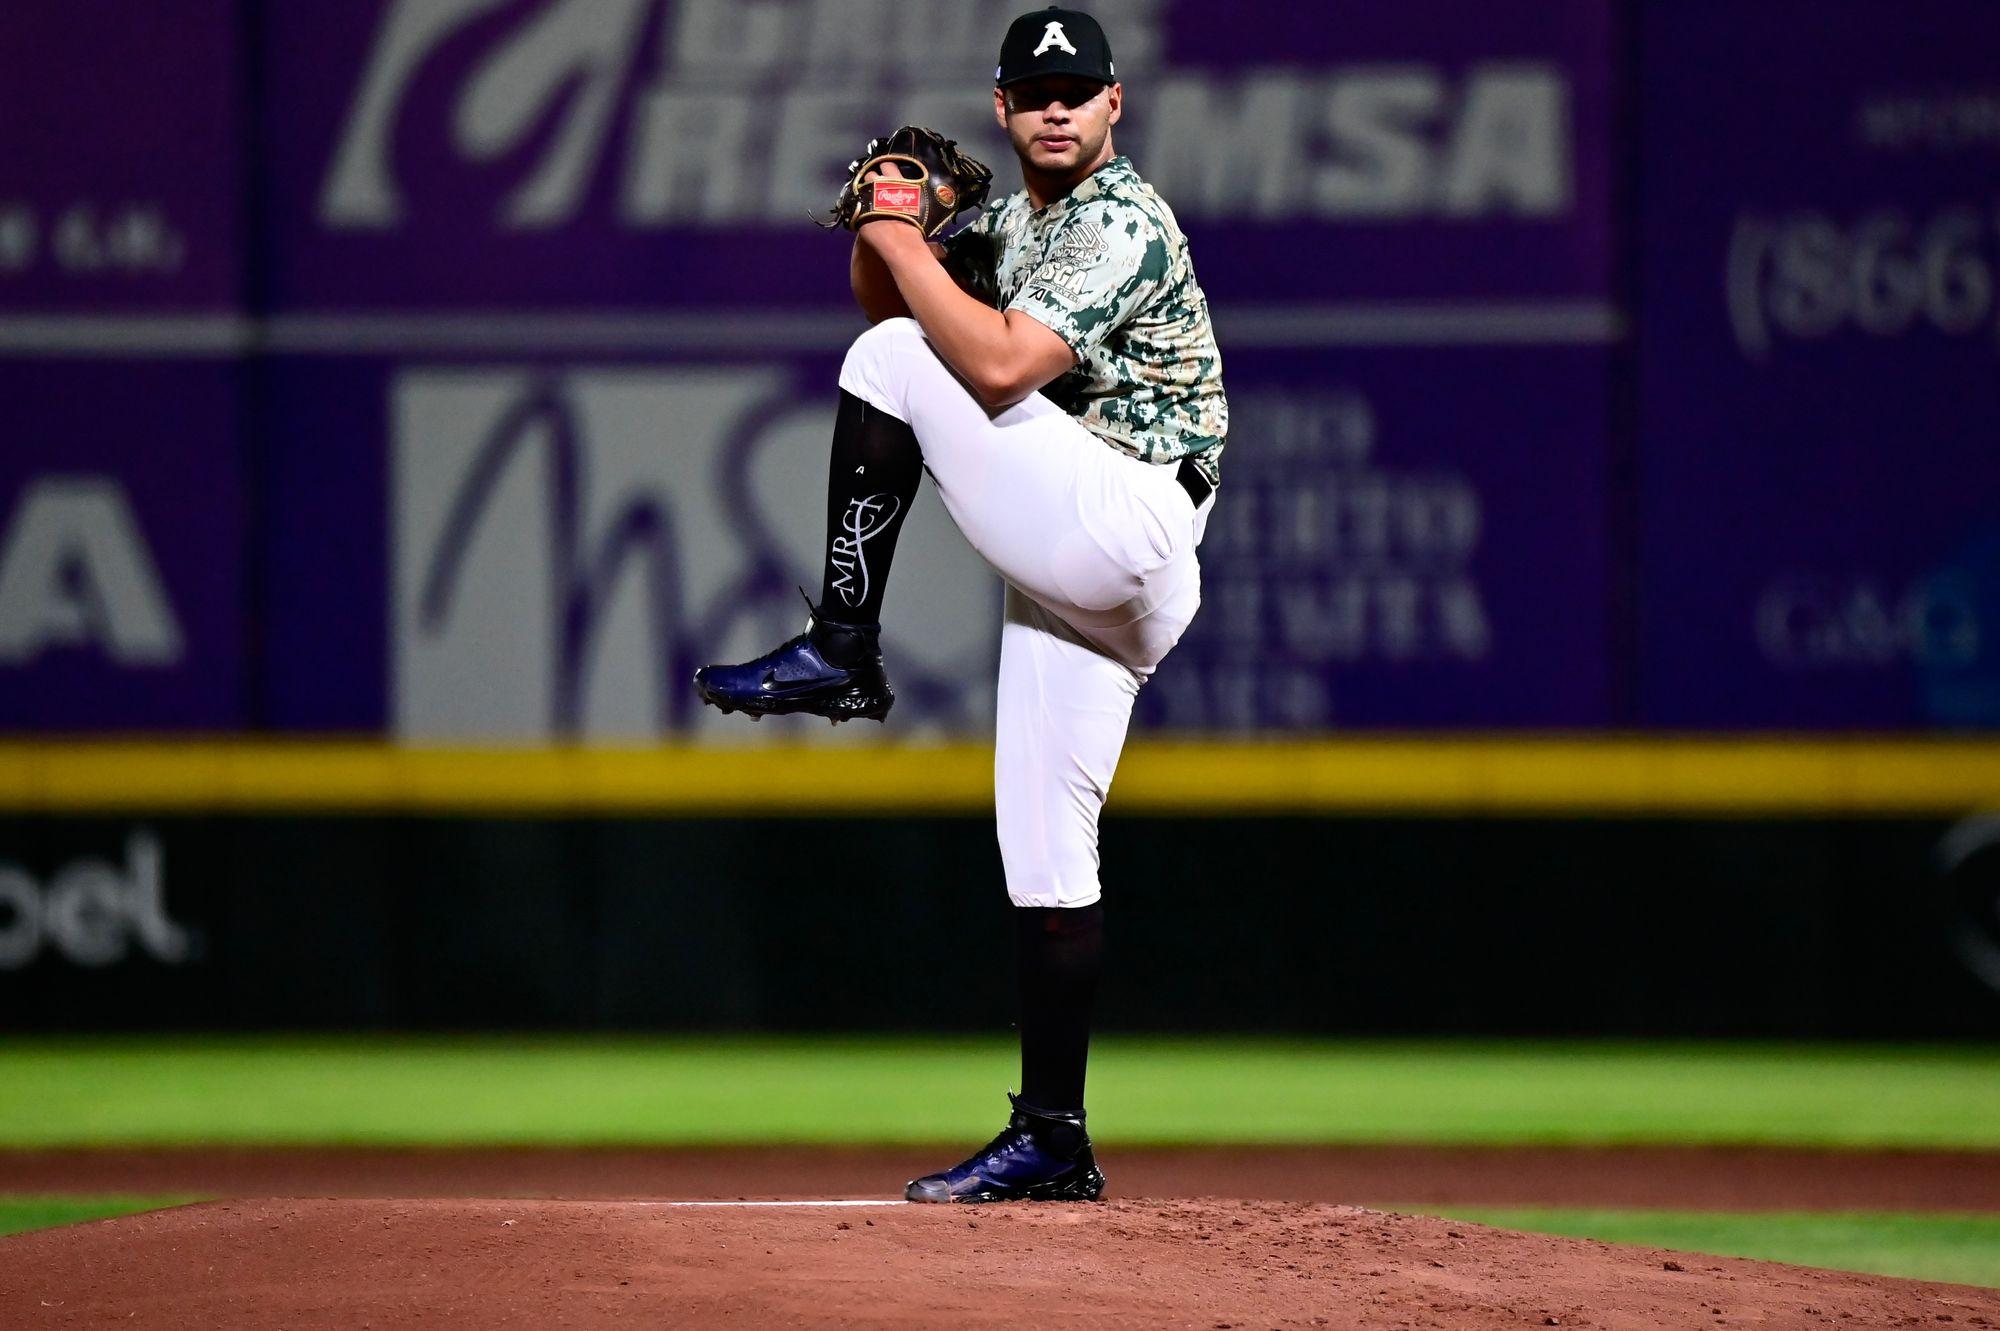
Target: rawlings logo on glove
pixel 902 200
pixel 937 183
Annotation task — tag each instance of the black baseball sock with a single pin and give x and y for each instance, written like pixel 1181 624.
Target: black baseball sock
pixel 1060 954
pixel 871 482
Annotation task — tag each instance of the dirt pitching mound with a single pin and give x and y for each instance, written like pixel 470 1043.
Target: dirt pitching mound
pixel 322 1265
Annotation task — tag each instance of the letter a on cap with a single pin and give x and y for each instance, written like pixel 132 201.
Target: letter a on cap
pixel 1053 35
pixel 1054 41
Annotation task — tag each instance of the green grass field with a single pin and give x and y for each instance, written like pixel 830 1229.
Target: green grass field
pixel 1963 1249
pixel 667 1092
pixel 634 1091
pixel 21 1214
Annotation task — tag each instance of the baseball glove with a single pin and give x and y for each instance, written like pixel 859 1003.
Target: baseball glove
pixel 939 182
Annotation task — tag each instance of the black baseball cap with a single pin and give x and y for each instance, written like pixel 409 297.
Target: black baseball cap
pixel 1054 41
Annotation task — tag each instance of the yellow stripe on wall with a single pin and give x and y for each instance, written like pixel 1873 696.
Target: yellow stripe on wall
pixel 1400 774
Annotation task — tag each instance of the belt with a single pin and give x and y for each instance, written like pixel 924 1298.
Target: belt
pixel 1194 482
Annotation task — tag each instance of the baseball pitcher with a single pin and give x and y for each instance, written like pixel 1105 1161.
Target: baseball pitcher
pixel 1051 366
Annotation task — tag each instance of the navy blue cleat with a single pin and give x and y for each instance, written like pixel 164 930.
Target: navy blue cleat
pixel 799 677
pixel 1043 1156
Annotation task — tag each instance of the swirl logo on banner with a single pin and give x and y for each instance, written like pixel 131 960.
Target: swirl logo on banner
pixel 569 546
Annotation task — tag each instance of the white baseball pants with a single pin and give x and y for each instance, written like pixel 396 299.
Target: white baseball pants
pixel 1098 552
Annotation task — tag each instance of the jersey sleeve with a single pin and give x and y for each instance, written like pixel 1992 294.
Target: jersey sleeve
pixel 1105 264
pixel 972 255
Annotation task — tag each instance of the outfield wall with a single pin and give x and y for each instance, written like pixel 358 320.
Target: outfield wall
pixel 402 397
pixel 1558 886
pixel 1789 927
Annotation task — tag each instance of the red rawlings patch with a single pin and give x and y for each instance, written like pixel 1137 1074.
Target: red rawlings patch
pixel 905 199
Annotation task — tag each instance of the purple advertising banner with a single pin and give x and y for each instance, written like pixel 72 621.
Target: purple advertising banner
pixel 1820 349
pixel 538 548
pixel 546 348
pixel 123 467
pixel 121 169
pixel 121 547
pixel 542 267
pixel 1403 539
pixel 641 154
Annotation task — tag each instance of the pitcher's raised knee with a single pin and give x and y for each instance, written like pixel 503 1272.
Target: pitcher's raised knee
pixel 879 363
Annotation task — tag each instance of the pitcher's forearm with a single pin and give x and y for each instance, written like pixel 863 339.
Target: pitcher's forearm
pixel 1002 355
pixel 874 287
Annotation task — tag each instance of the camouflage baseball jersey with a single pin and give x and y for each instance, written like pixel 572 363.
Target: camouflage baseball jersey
pixel 1108 270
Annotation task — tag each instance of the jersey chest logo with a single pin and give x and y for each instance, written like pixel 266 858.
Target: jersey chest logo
pixel 1080 242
